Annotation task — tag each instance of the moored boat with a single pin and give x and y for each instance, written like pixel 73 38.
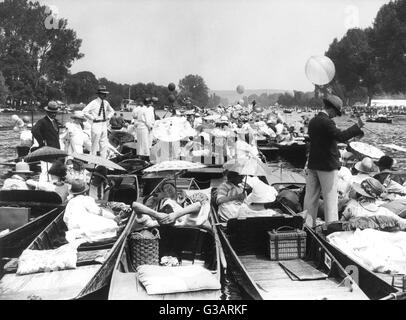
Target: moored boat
pixel 317 276
pixel 191 246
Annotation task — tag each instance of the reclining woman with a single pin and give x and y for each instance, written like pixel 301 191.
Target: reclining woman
pixel 169 208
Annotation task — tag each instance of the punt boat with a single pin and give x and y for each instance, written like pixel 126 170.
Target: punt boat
pixel 191 245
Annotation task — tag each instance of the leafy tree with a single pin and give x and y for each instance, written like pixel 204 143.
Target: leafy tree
pixel 34 60
pixel 80 87
pixel 195 88
pixel 3 90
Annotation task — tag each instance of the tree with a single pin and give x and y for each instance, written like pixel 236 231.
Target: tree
pixel 3 90
pixel 388 38
pixel 355 63
pixel 194 87
pixel 80 87
pixel 35 60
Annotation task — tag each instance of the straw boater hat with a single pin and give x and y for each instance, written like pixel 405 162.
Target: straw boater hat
pixel 78 187
pixel 370 188
pixel 78 115
pixel 102 89
pixel 22 167
pixel 261 193
pixel 367 166
pixel 52 107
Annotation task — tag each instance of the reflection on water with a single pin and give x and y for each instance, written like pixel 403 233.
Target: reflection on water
pixel 385 134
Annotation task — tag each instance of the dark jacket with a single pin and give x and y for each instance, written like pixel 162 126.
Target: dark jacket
pixel 324 135
pixel 45 133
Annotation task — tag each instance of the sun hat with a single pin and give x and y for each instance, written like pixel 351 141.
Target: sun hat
pixel 78 186
pixel 366 166
pixel 370 188
pixel 78 115
pixel 102 89
pixel 52 107
pixel 335 102
pixel 22 167
pixel 261 193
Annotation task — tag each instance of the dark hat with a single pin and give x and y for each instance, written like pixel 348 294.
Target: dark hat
pixel 78 187
pixel 147 100
pixel 102 89
pixel 52 107
pixel 58 169
pixel 386 162
pixel 335 102
pixel 370 188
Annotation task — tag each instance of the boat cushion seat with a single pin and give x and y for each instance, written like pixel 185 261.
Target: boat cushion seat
pixel 164 280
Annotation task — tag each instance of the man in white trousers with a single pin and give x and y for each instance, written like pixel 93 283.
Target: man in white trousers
pixel 99 113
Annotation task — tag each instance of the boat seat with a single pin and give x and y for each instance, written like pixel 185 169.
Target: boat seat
pixel 249 235
pixel 125 188
pixel 27 196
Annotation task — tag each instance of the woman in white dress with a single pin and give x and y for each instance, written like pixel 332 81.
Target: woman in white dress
pixel 144 126
pixel 75 136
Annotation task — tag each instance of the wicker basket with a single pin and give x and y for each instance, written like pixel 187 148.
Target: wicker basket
pixel 144 247
pixel 287 245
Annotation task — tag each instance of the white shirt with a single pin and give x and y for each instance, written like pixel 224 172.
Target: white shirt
pixel 91 111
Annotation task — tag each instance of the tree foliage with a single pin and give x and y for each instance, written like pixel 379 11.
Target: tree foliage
pixel 194 88
pixel 34 60
pixel 372 61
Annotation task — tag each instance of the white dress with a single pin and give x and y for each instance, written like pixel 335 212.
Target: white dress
pixel 143 134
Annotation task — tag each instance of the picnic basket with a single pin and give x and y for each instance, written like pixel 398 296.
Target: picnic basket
pixel 144 247
pixel 286 243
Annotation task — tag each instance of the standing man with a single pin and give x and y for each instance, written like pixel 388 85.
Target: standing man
pixel 46 130
pixel 324 159
pixel 99 112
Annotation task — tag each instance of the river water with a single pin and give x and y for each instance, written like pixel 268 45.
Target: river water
pixel 394 133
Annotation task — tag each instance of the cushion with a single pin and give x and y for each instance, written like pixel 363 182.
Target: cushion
pixel 33 261
pixel 204 197
pixel 165 280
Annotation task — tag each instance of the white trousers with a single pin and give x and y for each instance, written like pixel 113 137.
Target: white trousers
pixel 326 182
pixel 99 138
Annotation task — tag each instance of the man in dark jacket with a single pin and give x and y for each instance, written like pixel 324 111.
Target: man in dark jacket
pixel 46 130
pixel 324 159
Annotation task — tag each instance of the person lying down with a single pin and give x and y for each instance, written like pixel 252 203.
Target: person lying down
pixel 191 209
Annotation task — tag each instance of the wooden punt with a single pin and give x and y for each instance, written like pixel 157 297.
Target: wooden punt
pixel 375 285
pixel 13 243
pixel 245 245
pixel 191 245
pixel 39 201
pixel 88 279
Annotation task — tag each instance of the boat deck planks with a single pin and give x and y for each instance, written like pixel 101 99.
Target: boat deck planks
pixel 128 287
pixel 64 284
pixel 276 284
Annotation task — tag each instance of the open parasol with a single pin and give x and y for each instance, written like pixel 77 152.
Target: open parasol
pixel 174 165
pixel 366 150
pixel 247 166
pixel 172 129
pixel 97 161
pixel 46 153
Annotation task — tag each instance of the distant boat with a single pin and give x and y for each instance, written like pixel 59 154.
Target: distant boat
pixel 380 119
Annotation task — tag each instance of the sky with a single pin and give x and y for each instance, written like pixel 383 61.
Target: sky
pixel 260 44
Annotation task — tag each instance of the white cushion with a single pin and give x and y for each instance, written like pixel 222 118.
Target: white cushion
pixel 165 280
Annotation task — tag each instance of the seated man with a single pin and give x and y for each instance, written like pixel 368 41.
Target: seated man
pixel 230 196
pixel 19 178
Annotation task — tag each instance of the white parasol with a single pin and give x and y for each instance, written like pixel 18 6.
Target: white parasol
pixel 174 165
pixel 366 150
pixel 172 129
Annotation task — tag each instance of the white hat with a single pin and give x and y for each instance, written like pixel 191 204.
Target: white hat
pixel 261 192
